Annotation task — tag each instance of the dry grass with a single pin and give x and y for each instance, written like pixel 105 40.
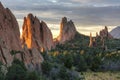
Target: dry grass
pixel 102 75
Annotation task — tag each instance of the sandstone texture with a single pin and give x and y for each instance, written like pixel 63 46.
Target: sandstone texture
pixel 10 43
pixel 36 34
pixel 67 31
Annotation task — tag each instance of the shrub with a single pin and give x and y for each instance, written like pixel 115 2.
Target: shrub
pixel 81 66
pixel 15 72
pixel 32 76
pixel 68 61
pixel 46 67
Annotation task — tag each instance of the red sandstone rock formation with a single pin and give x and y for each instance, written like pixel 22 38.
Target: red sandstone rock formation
pixel 9 35
pixel 99 40
pixel 67 31
pixel 104 33
pixel 36 34
pixel 92 41
pixel 9 30
pixel 10 40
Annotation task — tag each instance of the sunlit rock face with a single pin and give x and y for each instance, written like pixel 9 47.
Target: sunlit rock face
pixel 36 34
pixel 67 31
pixel 92 41
pixel 10 41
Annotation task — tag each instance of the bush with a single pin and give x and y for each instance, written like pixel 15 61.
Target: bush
pixel 68 61
pixel 2 76
pixel 46 67
pixel 20 63
pixel 81 66
pixel 96 63
pixel 63 75
pixel 15 72
pixel 32 76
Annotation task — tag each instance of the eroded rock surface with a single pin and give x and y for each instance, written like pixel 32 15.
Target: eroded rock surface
pixel 36 34
pixel 10 44
pixel 67 31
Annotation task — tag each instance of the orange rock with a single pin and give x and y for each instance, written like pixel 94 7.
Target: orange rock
pixel 92 41
pixel 10 40
pixel 36 34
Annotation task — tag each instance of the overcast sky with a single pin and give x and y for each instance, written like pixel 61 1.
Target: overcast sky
pixel 86 14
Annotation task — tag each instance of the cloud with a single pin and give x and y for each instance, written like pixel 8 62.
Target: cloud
pixel 82 12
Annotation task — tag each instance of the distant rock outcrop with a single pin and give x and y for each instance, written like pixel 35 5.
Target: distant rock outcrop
pixel 10 44
pixel 105 34
pixel 36 34
pixel 99 40
pixel 67 31
pixel 92 41
pixel 116 32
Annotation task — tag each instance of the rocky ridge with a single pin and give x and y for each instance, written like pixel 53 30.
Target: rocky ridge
pixel 103 35
pixel 116 32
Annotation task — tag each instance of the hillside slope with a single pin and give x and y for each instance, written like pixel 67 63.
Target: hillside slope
pixel 116 32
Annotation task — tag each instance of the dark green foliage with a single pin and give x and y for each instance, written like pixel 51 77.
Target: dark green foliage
pixel 13 52
pixel 96 63
pixel 2 76
pixel 16 72
pixel 46 67
pixel 81 63
pixel 32 76
pixel 63 74
pixel 68 61
pixel 20 63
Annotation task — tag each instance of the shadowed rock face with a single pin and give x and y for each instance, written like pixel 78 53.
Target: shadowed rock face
pixel 10 40
pixel 9 35
pixel 9 29
pixel 36 34
pixel 67 31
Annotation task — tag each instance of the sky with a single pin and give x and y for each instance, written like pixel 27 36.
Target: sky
pixel 87 15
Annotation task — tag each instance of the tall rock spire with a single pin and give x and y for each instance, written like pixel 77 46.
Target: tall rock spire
pixel 36 34
pixel 91 41
pixel 67 31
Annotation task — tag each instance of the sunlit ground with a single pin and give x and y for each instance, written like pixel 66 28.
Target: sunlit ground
pixel 102 75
